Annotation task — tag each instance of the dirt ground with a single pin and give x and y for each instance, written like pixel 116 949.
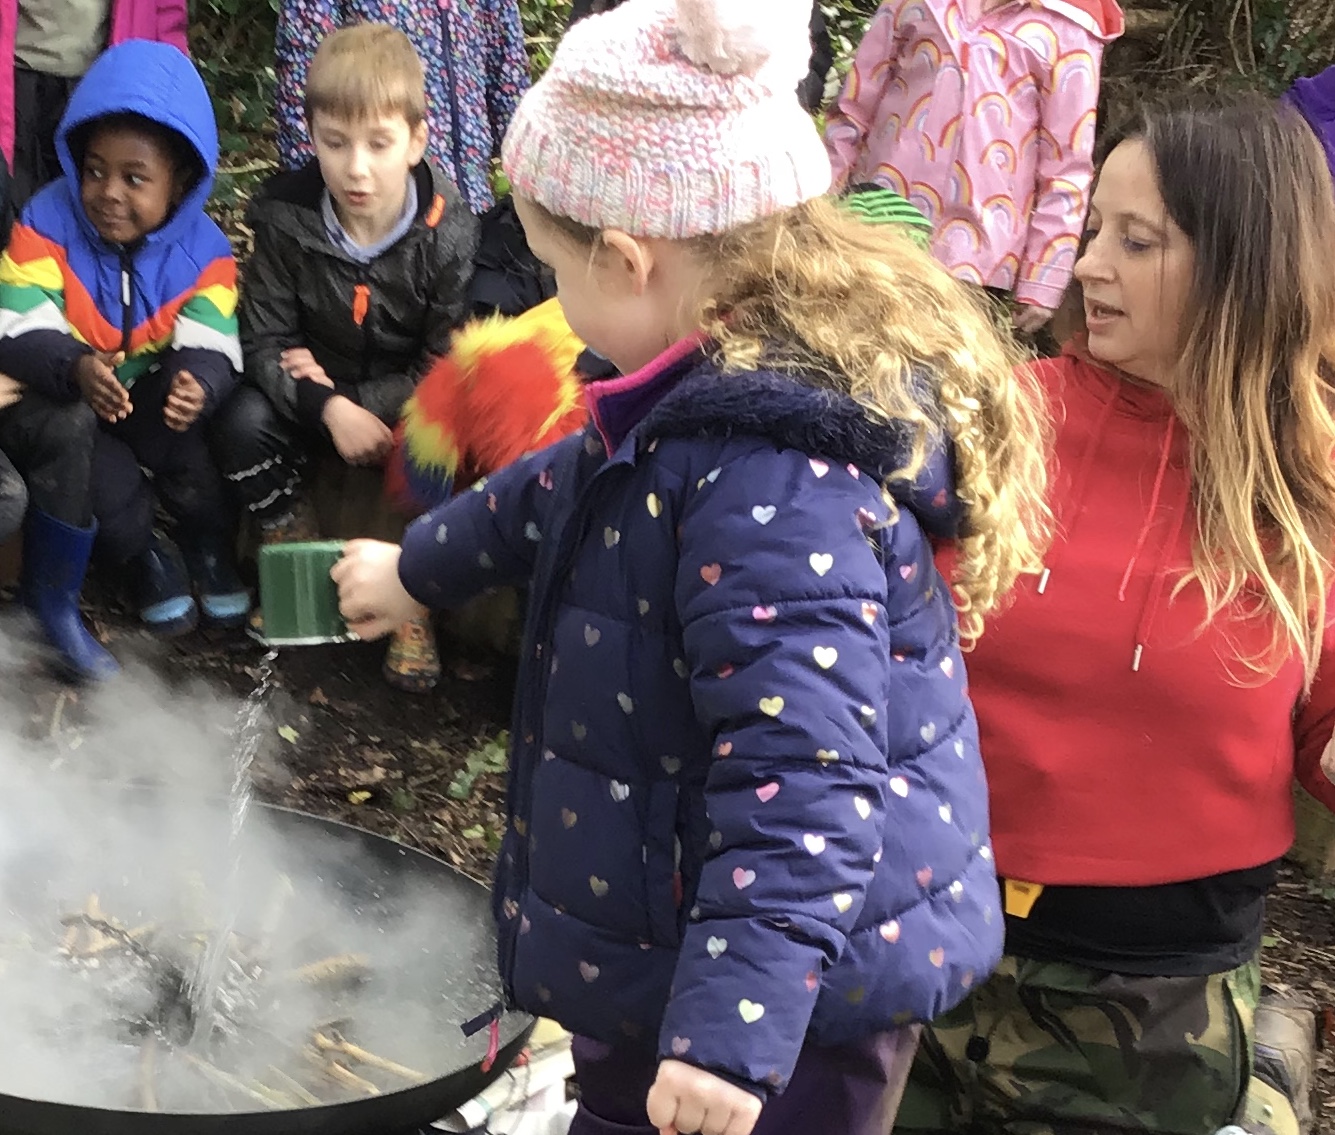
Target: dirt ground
pixel 426 771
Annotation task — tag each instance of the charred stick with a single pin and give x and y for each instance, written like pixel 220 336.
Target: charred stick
pixel 341 968
pixel 343 1075
pixel 337 1072
pixel 294 1087
pixel 115 937
pixel 148 1061
pixel 108 933
pixel 257 1093
pixel 61 699
pixel 337 1044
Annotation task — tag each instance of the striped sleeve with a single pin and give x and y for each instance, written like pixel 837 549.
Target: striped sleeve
pixel 207 320
pixel 32 285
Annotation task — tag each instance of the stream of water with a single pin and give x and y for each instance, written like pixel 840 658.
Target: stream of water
pixel 207 983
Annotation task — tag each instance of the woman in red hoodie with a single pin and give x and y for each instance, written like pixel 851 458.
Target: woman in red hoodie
pixel 1146 702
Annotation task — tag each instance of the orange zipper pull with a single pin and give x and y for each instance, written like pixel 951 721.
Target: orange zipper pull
pixel 361 303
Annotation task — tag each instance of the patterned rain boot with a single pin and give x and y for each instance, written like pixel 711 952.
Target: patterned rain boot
pixel 412 663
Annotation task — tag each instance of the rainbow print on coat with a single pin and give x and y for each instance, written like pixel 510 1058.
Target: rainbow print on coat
pixel 984 120
pixel 175 291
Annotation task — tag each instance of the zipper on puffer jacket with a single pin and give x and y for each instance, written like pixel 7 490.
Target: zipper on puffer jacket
pixel 361 316
pixel 532 712
pixel 127 300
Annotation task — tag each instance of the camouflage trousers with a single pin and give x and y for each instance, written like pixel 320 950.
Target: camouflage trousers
pixel 1044 1048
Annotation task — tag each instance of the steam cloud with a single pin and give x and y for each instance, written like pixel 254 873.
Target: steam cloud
pixel 137 814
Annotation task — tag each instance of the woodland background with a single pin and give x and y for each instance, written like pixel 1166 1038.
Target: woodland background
pixel 1169 44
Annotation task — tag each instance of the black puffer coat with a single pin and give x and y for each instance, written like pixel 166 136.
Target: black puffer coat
pixel 373 327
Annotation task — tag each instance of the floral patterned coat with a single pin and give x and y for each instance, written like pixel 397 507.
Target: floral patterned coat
pixel 476 73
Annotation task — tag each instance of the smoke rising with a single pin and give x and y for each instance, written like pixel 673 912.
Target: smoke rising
pixel 136 815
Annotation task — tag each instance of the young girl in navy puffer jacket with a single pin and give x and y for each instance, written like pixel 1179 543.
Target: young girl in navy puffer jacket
pixel 748 840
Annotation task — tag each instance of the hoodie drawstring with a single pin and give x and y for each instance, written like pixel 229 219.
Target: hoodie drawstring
pixel 1150 607
pixel 1156 587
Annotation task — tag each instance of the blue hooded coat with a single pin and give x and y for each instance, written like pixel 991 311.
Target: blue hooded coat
pixel 746 803
pixel 64 291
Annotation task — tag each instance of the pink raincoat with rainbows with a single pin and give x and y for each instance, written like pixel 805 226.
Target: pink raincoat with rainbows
pixel 985 121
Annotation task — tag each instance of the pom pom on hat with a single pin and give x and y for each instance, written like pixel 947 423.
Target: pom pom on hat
pixel 672 118
pixel 731 37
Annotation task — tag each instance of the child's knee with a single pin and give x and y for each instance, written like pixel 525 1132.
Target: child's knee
pixel 64 428
pixel 13 500
pixel 245 423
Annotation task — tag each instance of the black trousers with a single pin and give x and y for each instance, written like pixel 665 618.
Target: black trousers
pixel 79 469
pixel 140 459
pixel 261 453
pixel 39 102
pixel 13 499
pixel 51 445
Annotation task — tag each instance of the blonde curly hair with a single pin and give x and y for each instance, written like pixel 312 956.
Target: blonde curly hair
pixel 863 308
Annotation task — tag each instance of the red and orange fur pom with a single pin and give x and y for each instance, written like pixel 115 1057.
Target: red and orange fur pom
pixel 507 387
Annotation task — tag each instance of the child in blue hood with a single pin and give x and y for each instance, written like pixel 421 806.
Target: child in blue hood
pixel 748 838
pixel 118 316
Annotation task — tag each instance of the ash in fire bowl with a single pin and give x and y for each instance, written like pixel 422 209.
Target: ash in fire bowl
pixel 156 956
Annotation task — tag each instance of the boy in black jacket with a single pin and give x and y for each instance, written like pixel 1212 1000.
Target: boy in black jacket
pixel 360 274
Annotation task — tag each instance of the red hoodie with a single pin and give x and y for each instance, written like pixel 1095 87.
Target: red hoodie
pixel 1118 749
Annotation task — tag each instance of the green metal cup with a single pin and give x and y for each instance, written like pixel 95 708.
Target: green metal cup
pixel 299 600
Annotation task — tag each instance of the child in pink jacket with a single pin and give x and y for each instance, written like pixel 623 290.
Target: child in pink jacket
pixel 981 112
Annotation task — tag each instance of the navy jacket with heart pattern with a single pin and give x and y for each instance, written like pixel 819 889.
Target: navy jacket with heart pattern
pixel 746 803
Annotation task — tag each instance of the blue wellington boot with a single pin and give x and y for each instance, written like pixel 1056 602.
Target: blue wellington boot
pixel 161 589
pixel 55 560
pixel 223 598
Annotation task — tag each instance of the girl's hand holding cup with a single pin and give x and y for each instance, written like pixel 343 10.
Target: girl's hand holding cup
pixel 371 599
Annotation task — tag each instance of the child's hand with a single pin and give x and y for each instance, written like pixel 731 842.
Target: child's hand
pixel 359 436
pixel 370 597
pixel 11 391
pixel 100 387
pixel 686 1099
pixel 1031 319
pixel 300 363
pixel 1328 761
pixel 185 402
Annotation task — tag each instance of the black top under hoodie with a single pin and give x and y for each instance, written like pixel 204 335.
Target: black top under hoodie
pixel 375 327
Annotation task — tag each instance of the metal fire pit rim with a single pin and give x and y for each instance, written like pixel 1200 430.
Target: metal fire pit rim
pixel 407 1109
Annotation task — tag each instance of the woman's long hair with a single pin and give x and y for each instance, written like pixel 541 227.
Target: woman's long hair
pixel 1248 184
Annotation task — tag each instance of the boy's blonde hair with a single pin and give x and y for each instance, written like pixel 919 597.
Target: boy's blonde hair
pixel 876 316
pixel 366 70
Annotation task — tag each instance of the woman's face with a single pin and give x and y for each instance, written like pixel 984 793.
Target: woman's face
pixel 1136 270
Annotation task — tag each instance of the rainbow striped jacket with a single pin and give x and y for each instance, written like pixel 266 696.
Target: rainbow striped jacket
pixel 169 300
pixel 985 121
